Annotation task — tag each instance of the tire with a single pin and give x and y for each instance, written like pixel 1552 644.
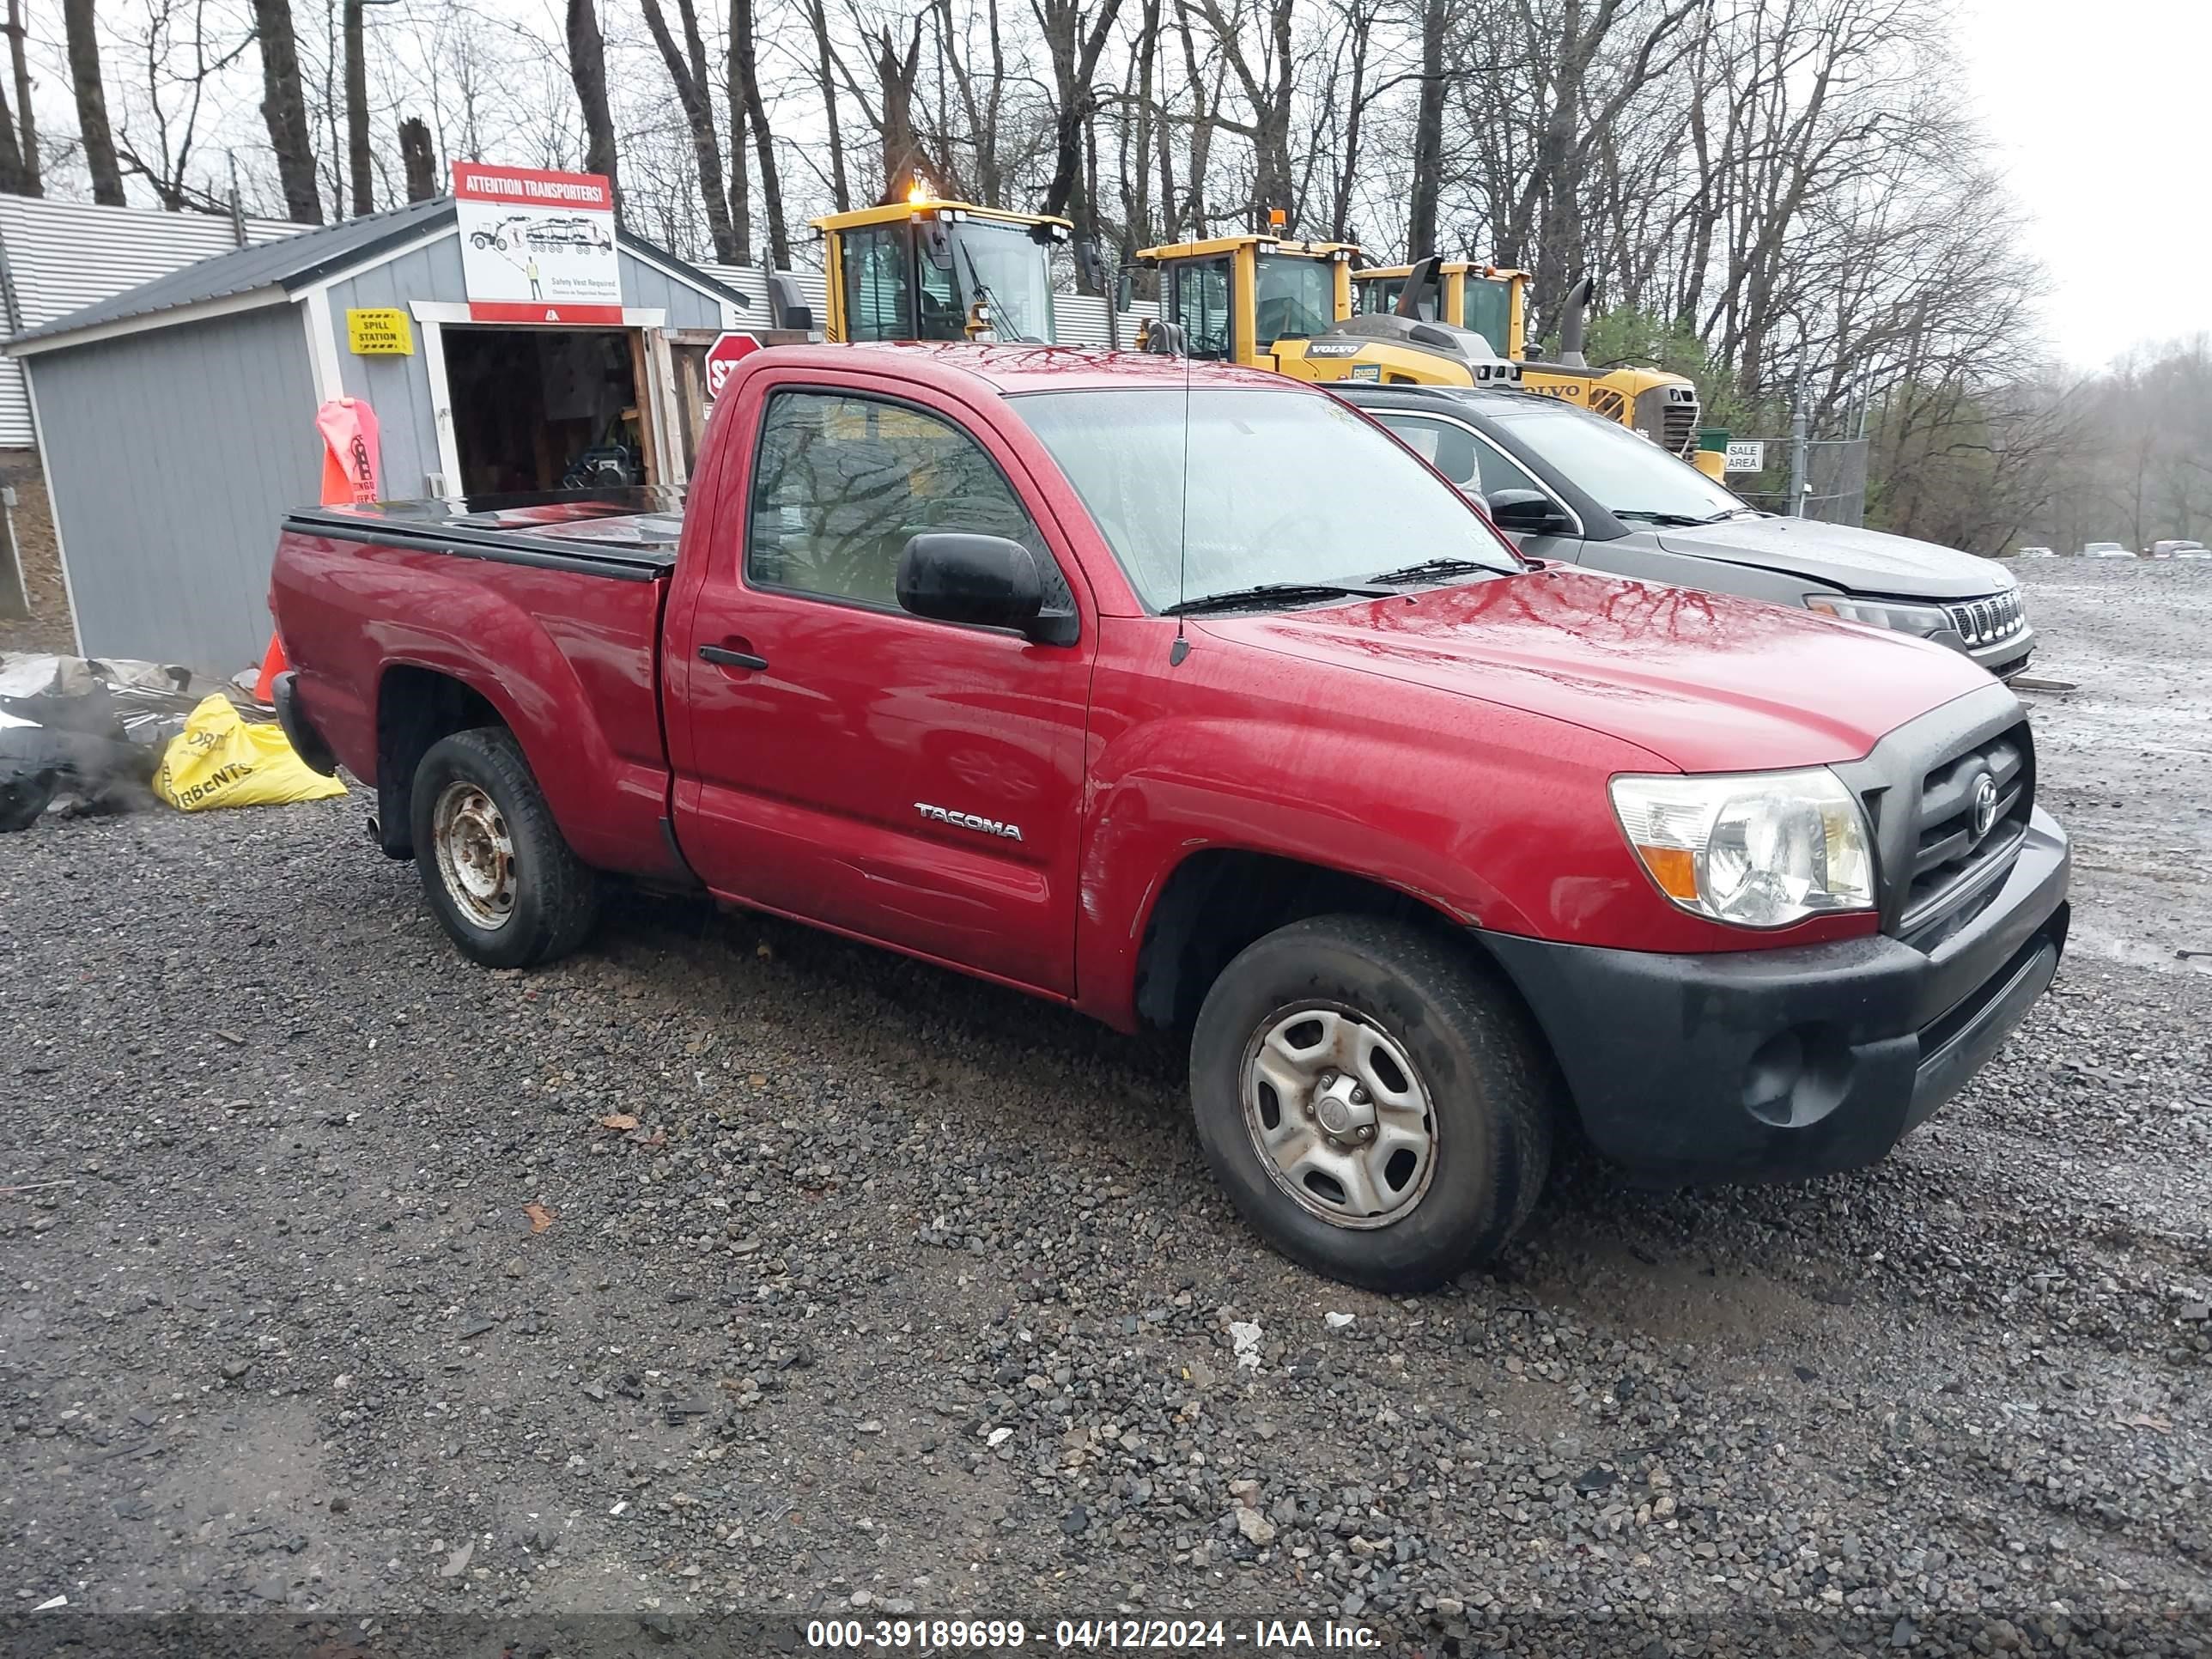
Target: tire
pixel 494 866
pixel 1477 1081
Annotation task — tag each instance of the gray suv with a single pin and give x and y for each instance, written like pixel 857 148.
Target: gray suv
pixel 1573 487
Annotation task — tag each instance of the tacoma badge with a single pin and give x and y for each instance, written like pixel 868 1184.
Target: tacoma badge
pixel 969 820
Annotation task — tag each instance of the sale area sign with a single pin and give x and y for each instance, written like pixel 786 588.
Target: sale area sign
pixel 537 247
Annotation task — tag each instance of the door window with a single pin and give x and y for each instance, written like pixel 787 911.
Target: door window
pixel 878 272
pixel 842 483
pixel 1200 293
pixel 1461 456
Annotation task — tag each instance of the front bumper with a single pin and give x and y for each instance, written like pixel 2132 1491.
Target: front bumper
pixel 1775 1064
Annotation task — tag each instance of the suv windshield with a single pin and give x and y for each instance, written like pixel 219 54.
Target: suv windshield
pixel 1629 475
pixel 1286 488
pixel 1293 297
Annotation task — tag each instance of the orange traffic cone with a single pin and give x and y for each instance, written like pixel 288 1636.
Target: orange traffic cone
pixel 264 688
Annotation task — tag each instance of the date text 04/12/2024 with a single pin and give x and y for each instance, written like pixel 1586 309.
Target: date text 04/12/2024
pixel 1257 1636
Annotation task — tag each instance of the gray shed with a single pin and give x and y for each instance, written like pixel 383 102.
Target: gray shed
pixel 176 420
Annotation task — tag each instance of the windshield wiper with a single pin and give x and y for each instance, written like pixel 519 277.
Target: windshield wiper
pixel 1664 520
pixel 1428 567
pixel 1272 593
pixel 983 293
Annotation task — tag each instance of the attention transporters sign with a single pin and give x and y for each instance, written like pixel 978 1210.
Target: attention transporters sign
pixel 537 247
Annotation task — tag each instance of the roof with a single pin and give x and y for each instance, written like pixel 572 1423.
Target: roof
pixel 884 213
pixel 1264 244
pixel 280 269
pixel 1010 370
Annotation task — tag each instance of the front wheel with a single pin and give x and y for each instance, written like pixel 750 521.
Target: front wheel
pixel 1373 1104
pixel 493 865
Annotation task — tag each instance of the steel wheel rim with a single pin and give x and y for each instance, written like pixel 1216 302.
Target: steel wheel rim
pixel 1339 1115
pixel 475 855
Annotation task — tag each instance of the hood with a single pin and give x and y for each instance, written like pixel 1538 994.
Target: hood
pixel 1705 682
pixel 1839 556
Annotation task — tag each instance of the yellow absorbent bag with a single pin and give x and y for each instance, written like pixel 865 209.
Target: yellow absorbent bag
pixel 220 760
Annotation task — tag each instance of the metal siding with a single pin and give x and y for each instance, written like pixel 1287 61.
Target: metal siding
pixel 65 256
pixel 646 286
pixel 399 388
pixel 172 456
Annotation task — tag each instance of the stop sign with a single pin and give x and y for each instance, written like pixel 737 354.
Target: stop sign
pixel 722 356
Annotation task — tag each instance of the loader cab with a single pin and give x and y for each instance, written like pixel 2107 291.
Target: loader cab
pixel 927 269
pixel 1237 297
pixel 1491 300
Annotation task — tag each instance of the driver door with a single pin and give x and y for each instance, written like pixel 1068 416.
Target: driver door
pixel 841 761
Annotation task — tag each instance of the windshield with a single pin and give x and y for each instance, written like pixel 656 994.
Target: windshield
pixel 1629 475
pixel 1293 297
pixel 1288 488
pixel 963 257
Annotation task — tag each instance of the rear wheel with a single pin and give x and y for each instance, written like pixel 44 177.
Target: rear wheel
pixel 493 863
pixel 1372 1101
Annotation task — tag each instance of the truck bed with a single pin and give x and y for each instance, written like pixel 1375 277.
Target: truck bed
pixel 629 535
pixel 548 607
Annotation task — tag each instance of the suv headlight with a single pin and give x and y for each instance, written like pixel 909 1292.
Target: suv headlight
pixel 1758 849
pixel 1919 619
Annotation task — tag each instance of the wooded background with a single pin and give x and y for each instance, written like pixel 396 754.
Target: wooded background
pixel 1785 199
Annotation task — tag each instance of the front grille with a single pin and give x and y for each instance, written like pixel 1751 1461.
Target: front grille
pixel 1679 426
pixel 1986 622
pixel 1950 860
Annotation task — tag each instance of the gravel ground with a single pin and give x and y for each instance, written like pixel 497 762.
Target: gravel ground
pixel 907 1295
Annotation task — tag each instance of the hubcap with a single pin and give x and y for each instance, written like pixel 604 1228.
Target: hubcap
pixel 1339 1116
pixel 476 858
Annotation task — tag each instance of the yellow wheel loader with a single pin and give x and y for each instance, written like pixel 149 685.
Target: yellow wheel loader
pixel 1492 300
pixel 927 269
pixel 1267 302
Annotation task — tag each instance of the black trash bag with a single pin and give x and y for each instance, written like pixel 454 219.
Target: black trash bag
pixel 101 769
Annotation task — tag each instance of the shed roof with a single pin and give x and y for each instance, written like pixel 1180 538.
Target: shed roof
pixel 284 267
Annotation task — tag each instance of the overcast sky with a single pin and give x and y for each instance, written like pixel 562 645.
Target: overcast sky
pixel 2102 113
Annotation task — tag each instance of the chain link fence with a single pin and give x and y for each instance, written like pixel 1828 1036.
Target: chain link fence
pixel 1835 480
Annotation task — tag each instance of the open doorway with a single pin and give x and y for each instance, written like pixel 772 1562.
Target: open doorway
pixel 537 409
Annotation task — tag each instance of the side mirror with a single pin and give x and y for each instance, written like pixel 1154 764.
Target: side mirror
pixel 951 576
pixel 1124 292
pixel 785 310
pixel 1526 512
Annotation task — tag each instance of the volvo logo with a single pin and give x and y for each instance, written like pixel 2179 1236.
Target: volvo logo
pixel 1985 805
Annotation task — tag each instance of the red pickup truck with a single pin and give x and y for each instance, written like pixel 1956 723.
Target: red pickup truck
pixel 1433 850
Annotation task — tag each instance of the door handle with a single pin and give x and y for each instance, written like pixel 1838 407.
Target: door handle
pixel 732 658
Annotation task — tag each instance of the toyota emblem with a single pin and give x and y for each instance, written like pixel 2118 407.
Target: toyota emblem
pixel 1985 805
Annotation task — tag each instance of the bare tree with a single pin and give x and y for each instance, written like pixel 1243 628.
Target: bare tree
pixel 687 69
pixel 359 161
pixel 418 158
pixel 826 73
pixel 159 143
pixel 284 110
pixel 1074 42
pixel 588 68
pixel 746 92
pixel 19 173
pixel 99 138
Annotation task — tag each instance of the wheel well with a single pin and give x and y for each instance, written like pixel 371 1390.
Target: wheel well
pixel 415 707
pixel 1218 901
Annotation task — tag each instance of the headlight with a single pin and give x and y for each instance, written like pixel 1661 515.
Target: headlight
pixel 1920 619
pixel 1759 850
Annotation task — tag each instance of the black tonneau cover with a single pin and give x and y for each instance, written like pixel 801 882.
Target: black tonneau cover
pixel 628 534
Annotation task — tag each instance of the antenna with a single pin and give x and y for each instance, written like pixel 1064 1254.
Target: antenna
pixel 1180 649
